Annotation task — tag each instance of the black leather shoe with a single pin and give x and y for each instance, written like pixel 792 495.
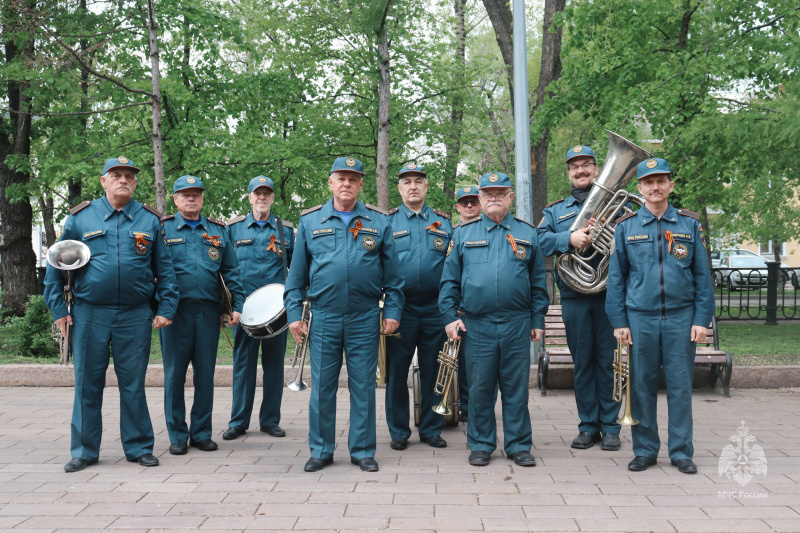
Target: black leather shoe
pixel 367 464
pixel 233 433
pixel 434 442
pixel 179 449
pixel 479 458
pixel 523 458
pixel 205 445
pixel 399 444
pixel 463 416
pixel 147 459
pixel 641 463
pixel 315 465
pixel 585 440
pixel 76 464
pixel 610 442
pixel 685 466
pixel 273 431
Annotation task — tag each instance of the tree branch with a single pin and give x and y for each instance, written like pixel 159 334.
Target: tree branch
pixel 76 112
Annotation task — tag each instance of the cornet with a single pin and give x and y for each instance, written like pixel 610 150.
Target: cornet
pixel 300 351
pixel 448 365
pixel 622 378
pixel 67 256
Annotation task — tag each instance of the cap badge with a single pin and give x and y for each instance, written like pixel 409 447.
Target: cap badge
pixel 262 179
pixel 467 189
pixel 190 179
pixel 411 166
pixel 494 178
pixel 578 149
pixel 122 159
pixel 651 163
pixel 350 162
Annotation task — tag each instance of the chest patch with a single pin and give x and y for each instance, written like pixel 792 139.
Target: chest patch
pixel 680 251
pixel 438 243
pixel 520 253
pixel 213 253
pixel 369 241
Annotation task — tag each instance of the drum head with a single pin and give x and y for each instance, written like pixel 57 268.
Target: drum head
pixel 263 315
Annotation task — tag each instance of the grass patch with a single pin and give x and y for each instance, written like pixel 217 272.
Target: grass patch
pixel 754 344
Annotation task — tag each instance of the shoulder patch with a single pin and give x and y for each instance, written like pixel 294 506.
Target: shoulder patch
pixel 168 217
pixel 687 213
pixel 153 210
pixel 525 221
pixel 470 222
pixel 311 209
pixel 236 219
pixel 215 221
pixel 376 208
pixel 393 211
pixel 554 203
pixel 626 217
pixel 442 214
pixel 287 223
pixel 80 206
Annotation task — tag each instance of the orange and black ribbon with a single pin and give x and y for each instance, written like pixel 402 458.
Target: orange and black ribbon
pixel 212 238
pixel 355 230
pixel 140 240
pixel 513 243
pixel 670 240
pixel 434 225
pixel 272 244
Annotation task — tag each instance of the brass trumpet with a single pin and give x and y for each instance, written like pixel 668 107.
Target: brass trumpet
pixel 381 372
pixel 67 256
pixel 622 378
pixel 448 365
pixel 300 351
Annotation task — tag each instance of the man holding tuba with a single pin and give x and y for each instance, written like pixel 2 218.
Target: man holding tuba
pixel 112 297
pixel 421 237
pixel 660 301
pixel 589 333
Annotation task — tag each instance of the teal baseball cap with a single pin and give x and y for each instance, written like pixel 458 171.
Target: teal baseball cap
pixel 579 151
pixel 349 164
pixel 495 179
pixel 412 168
pixel 120 162
pixel 466 192
pixel 260 181
pixel 654 165
pixel 187 182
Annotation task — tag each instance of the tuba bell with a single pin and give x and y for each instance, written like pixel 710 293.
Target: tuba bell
pixel 586 270
pixel 67 256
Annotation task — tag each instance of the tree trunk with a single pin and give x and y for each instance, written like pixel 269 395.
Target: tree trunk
pixel 18 261
pixel 74 183
pixel 46 207
pixel 550 71
pixel 158 153
pixel 384 121
pixel 453 141
pixel 502 21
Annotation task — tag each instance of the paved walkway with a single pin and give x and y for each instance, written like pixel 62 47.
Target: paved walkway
pixel 257 482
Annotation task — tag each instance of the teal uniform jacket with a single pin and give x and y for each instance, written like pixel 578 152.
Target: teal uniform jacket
pixel 259 249
pixel 130 269
pixel 422 241
pixel 554 235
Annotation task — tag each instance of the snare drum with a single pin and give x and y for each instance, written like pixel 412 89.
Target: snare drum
pixel 263 315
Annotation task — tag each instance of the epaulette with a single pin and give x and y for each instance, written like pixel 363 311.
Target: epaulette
pixel 688 213
pixel 393 210
pixel 525 221
pixel 470 222
pixel 287 223
pixel 80 206
pixel 153 210
pixel 215 221
pixel 237 219
pixel 376 208
pixel 442 213
pixel 311 209
pixel 554 203
pixel 457 225
pixel 626 217
pixel 168 217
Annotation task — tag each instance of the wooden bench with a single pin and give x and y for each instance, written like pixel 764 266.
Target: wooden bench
pixel 553 350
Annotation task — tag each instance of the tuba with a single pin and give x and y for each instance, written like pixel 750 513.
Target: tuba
pixel 605 203
pixel 67 256
pixel 448 367
pixel 622 378
pixel 300 351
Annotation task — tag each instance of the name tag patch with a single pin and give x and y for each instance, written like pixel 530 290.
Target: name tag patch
pixel 476 243
pixel 176 240
pixel 369 230
pixel 522 241
pixel 634 238
pixel 95 233
pixel 244 242
pixel 684 236
pixel 438 232
pixel 400 233
pixel 327 231
pixel 568 215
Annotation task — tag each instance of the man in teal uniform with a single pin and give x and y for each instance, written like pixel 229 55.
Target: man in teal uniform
pixel 495 275
pixel 421 237
pixel 112 297
pixel 264 246
pixel 345 261
pixel 201 252
pixel 589 334
pixel 660 301
pixel 468 205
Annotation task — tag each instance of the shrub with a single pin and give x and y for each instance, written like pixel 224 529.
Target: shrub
pixel 32 332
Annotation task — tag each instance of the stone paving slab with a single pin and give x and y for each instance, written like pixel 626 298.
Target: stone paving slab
pixel 257 482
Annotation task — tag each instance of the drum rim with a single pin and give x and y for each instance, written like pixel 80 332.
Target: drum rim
pixel 283 309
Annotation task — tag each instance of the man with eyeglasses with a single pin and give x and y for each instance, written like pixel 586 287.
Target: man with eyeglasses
pixel 421 237
pixel 589 334
pixel 130 269
pixel 495 276
pixel 264 245
pixel 201 251
pixel 468 204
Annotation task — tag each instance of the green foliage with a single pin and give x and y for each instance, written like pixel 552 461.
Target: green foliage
pixel 30 335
